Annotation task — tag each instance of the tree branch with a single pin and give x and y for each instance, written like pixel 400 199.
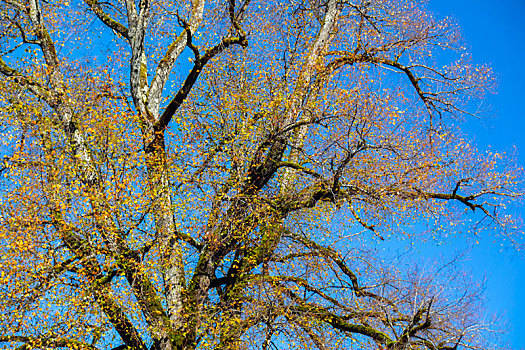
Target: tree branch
pixel 95 6
pixel 172 53
pixel 36 88
pixel 183 92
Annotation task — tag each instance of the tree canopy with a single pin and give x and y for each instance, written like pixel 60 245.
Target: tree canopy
pixel 216 174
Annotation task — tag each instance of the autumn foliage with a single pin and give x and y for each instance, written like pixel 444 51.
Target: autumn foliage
pixel 216 174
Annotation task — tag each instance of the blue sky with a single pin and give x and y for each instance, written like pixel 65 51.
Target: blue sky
pixel 495 33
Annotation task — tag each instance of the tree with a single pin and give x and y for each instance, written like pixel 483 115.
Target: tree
pixel 214 174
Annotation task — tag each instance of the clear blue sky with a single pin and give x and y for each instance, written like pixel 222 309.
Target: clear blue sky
pixel 495 33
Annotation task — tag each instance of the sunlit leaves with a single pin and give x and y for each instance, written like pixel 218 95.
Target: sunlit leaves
pixel 246 218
